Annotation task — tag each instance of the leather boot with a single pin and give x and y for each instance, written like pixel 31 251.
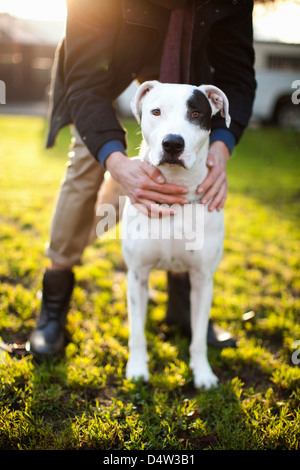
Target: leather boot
pixel 178 312
pixel 48 338
pixel 178 308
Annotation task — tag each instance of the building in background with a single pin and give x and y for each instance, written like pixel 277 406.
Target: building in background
pixel 26 56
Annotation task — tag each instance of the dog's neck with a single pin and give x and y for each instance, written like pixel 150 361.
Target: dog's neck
pixel 191 178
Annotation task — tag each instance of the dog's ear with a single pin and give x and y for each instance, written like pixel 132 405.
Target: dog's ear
pixel 140 93
pixel 218 101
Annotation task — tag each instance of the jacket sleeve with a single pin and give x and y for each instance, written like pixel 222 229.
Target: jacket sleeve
pixel 231 54
pixel 91 31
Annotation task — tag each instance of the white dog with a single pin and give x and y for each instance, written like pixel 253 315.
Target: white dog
pixel 175 126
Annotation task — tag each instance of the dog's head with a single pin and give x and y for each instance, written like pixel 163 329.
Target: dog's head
pixel 176 119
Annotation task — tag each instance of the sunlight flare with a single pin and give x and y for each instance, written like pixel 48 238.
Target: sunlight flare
pixel 35 9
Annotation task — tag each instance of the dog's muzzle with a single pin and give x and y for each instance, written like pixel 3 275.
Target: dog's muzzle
pixel 172 146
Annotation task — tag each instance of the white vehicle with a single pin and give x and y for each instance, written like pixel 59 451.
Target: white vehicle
pixel 278 77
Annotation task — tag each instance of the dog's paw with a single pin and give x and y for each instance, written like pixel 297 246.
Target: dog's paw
pixel 137 369
pixel 204 376
pixel 205 381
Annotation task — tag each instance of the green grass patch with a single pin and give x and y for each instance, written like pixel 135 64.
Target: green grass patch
pixel 83 401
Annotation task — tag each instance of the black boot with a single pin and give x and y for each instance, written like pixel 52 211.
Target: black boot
pixel 48 338
pixel 178 312
pixel 178 308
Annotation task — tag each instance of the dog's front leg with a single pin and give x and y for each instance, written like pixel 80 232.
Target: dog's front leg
pixel 201 298
pixel 137 298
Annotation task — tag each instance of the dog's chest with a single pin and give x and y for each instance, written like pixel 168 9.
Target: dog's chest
pixel 191 238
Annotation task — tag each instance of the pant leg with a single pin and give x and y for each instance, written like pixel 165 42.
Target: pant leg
pixel 75 208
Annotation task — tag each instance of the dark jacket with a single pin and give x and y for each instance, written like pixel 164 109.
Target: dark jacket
pixel 108 43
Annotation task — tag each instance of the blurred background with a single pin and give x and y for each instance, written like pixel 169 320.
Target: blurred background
pixel 31 30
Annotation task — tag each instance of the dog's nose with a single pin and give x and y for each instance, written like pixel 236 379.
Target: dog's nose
pixel 173 144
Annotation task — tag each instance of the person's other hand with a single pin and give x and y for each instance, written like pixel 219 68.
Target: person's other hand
pixel 215 184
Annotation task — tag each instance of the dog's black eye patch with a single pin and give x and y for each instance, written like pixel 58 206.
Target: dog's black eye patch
pixel 199 110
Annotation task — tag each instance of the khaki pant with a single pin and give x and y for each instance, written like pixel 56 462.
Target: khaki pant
pixel 74 216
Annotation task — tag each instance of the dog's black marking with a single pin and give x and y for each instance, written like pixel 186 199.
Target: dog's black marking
pixel 199 103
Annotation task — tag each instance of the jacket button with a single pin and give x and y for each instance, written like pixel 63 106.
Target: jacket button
pixel 201 23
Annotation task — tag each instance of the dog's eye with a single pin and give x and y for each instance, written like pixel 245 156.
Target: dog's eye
pixel 156 112
pixel 196 114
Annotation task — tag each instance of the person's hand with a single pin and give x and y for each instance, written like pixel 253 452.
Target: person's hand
pixel 145 185
pixel 215 184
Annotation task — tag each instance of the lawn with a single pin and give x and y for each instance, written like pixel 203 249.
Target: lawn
pixel 83 401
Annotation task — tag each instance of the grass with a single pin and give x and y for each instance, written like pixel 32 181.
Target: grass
pixel 83 401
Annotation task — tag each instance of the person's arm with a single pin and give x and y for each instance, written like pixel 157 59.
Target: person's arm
pixel 92 27
pixel 91 31
pixel 231 55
